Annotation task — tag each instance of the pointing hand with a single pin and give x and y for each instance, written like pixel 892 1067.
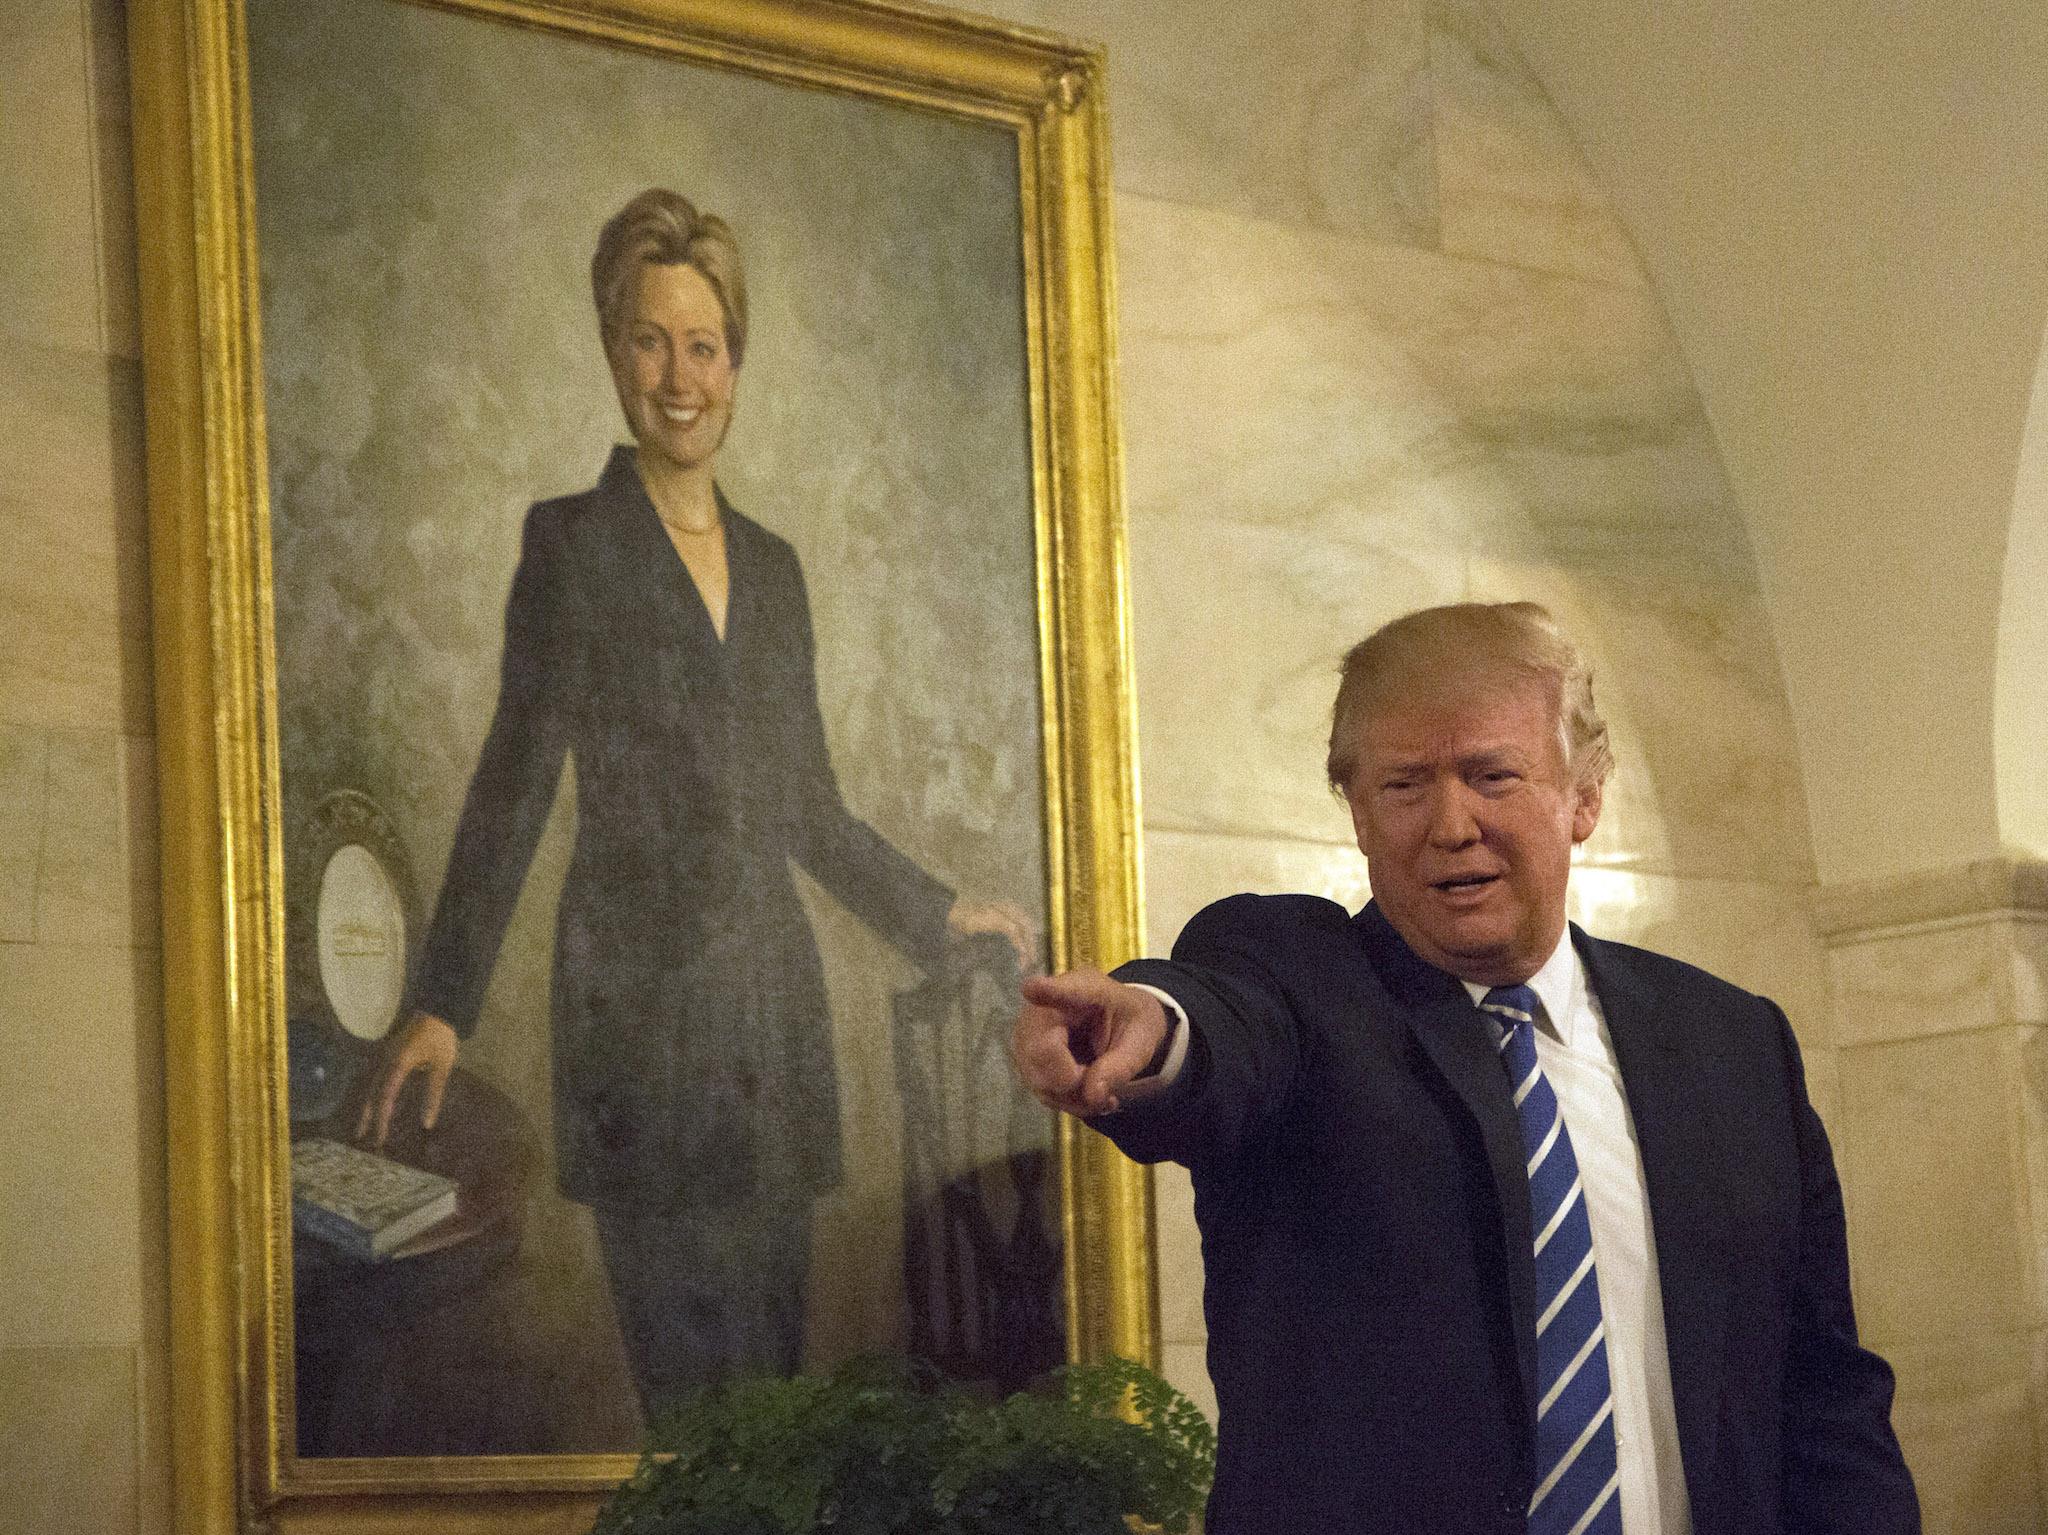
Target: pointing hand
pixel 1082 1038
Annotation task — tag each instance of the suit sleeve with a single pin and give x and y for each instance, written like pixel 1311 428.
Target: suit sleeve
pixel 1844 1474
pixel 509 795
pixel 1244 1040
pixel 863 870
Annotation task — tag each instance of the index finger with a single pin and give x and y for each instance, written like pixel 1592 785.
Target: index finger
pixel 1072 992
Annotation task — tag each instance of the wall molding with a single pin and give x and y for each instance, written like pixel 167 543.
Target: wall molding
pixel 1963 895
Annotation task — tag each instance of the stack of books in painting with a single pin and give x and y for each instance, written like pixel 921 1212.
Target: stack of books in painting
pixel 365 1204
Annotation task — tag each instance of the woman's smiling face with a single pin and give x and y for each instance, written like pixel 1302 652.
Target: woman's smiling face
pixel 673 368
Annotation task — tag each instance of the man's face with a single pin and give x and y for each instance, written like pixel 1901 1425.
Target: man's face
pixel 1467 818
pixel 676 378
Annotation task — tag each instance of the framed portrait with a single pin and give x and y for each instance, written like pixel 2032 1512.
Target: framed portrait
pixel 642 670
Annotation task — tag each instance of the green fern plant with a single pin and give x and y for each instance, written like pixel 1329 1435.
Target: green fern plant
pixel 884 1447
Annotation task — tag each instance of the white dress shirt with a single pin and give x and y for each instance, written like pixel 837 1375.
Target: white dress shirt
pixel 1577 1056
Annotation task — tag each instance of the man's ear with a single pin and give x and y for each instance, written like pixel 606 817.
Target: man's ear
pixel 1586 810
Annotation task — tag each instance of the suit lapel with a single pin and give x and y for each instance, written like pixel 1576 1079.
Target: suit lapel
pixel 662 652
pixel 1681 1150
pixel 654 564
pixel 1454 1036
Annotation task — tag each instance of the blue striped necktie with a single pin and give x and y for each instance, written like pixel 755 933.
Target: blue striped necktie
pixel 1577 1483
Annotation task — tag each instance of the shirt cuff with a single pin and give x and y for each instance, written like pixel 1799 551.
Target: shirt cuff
pixel 1176 1047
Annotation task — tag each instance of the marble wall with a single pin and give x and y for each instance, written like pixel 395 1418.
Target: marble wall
pixel 82 1285
pixel 1384 343
pixel 1941 1031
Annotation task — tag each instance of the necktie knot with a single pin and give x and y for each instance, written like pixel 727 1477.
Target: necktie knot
pixel 1512 1005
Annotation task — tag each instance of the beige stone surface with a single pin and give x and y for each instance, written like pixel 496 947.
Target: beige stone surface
pixel 79 1080
pixel 97 881
pixel 1323 433
pixel 17 900
pixel 2039 1380
pixel 49 250
pixel 68 1441
pixel 1242 749
pixel 153 1260
pixel 23 752
pixel 1966 1416
pixel 1280 486
pixel 1185 871
pixel 75 578
pixel 1186 1366
pixel 1929 1157
pixel 76 443
pixel 113 176
pixel 1511 183
pixel 2030 1070
pixel 1943 979
pixel 2027 971
pixel 1852 911
pixel 1824 1090
pixel 1412 370
pixel 1179 1255
pixel 1298 110
pixel 1706 779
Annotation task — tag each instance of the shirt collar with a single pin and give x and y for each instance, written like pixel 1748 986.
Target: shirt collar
pixel 1558 985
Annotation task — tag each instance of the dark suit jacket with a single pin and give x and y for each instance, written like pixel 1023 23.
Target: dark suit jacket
pixel 1364 1212
pixel 692 1043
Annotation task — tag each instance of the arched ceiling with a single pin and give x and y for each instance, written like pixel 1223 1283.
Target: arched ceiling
pixel 1846 211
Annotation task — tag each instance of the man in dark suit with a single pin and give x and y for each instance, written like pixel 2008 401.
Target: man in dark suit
pixel 1505 1228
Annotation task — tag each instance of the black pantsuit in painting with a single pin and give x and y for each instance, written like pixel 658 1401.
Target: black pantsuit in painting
pixel 693 1065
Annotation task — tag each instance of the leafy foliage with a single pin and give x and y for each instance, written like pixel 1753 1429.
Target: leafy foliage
pixel 884 1447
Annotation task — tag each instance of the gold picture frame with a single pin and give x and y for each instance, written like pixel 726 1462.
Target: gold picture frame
pixel 234 1461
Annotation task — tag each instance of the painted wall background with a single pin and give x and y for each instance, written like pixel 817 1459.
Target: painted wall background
pixel 1384 341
